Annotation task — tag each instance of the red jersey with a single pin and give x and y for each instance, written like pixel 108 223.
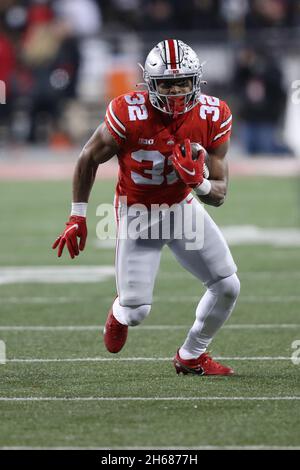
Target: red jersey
pixel 146 137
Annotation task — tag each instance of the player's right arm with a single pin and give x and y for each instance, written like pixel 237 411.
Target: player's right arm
pixel 100 148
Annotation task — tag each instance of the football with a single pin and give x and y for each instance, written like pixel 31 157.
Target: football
pixel 195 150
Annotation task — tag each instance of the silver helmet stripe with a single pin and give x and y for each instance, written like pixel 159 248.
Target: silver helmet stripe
pixel 167 54
pixel 171 47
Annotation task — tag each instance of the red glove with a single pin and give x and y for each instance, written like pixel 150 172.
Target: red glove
pixel 190 170
pixel 75 227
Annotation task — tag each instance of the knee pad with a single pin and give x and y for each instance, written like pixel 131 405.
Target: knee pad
pixel 228 287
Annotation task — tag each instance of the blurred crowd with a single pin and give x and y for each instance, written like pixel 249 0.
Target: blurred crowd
pixel 41 57
pixel 235 15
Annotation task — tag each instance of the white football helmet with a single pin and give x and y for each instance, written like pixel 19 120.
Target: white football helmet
pixel 173 59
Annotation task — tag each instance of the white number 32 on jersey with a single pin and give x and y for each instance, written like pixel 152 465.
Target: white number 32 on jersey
pixel 136 109
pixel 210 105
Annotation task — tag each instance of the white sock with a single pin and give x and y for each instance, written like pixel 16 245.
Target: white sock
pixel 213 310
pixel 130 316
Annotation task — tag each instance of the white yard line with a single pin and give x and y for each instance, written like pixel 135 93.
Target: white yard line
pixel 197 398
pixel 40 300
pixel 204 447
pixel 247 299
pixel 55 274
pixel 92 273
pixel 258 326
pixel 140 359
pixel 253 326
pixel 164 299
pixel 255 275
pixel 270 275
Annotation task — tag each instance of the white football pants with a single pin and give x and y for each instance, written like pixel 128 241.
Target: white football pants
pixel 198 245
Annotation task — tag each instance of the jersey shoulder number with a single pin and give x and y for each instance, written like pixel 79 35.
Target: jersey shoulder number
pixel 218 113
pixel 124 113
pixel 209 106
pixel 136 107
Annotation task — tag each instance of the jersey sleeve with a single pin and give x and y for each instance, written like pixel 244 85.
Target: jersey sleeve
pixel 221 130
pixel 116 120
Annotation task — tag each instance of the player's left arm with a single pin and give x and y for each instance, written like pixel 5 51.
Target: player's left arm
pixel 218 175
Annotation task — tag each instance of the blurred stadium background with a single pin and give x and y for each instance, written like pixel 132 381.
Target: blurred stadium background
pixel 62 61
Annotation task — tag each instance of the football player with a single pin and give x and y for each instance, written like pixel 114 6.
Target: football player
pixel 153 133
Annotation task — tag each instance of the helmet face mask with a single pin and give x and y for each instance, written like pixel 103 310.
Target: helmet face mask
pixel 173 60
pixel 178 103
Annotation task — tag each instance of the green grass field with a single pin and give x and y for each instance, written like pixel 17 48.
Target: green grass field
pixel 135 399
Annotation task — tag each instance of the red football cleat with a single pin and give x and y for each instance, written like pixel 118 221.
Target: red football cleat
pixel 203 365
pixel 115 334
